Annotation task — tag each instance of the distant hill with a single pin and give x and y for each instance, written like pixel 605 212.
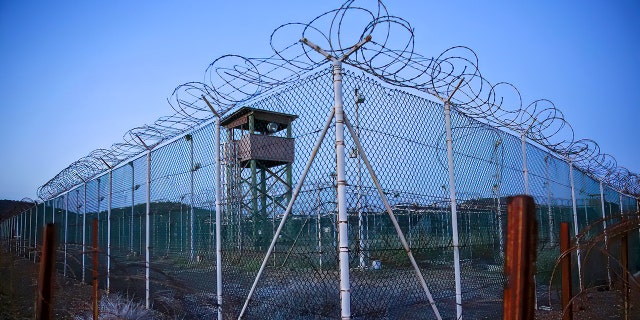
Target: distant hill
pixel 9 208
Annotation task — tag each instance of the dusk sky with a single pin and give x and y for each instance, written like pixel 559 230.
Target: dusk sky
pixel 76 75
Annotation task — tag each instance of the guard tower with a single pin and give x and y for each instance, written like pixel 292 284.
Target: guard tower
pixel 258 157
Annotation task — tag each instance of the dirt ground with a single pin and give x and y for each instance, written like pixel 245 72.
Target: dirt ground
pixel 18 287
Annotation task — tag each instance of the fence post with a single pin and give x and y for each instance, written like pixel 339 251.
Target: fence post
pixel 29 233
pixel 522 240
pixel 575 224
pixel 133 204
pixel 109 228
pixel 525 167
pixel 23 222
pixel 147 234
pixel 454 212
pixel 35 234
pixel 606 238
pixel 218 170
pixel 567 306
pixel 66 233
pixel 84 232
pixel 94 238
pixel 189 138
pixel 47 271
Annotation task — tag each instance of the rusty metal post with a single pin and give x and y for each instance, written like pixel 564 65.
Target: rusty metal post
pixel 94 238
pixel 624 261
pixel 567 308
pixel 520 258
pixel 47 271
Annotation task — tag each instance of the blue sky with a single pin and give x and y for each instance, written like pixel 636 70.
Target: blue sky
pixel 75 76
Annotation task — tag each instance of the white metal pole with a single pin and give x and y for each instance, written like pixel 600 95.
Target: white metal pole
pixel 133 189
pixel 98 213
pixel 109 229
pixel 12 232
pixel 638 212
pixel 191 213
pixel 66 232
pixel 147 234
pixel 53 212
pixel 454 213
pixel 16 232
pixel 575 224
pixel 525 168
pixel 319 229
pixel 550 212
pixel 35 233
pixel 29 231
pixel 218 173
pixel 604 228
pixel 78 206
pixel 621 209
pixel 84 229
pixel 343 222
pixel 19 227
pixel 361 243
pixel 24 232
pixel 23 237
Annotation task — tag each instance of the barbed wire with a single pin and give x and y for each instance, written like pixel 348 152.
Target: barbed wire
pixel 390 56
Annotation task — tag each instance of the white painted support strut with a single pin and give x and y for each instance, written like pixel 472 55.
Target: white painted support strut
pixel 191 212
pixel 385 201
pixel 35 233
pixel 552 240
pixel 218 173
pixel 454 213
pixel 638 213
pixel 98 212
pixel 343 219
pixel 147 239
pixel 84 231
pixel 66 233
pixel 361 240
pixel 621 210
pixel 287 211
pixel 606 238
pixel 147 261
pixel 29 233
pixel 133 203
pixel 109 229
pixel 575 224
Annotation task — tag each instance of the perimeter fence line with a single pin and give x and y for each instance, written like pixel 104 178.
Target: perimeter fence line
pixel 241 205
pixel 404 138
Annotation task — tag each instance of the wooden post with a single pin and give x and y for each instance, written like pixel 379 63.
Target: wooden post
pixel 47 271
pixel 567 307
pixel 520 258
pixel 94 238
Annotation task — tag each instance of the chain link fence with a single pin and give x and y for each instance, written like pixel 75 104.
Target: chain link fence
pixel 260 198
pixel 403 136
